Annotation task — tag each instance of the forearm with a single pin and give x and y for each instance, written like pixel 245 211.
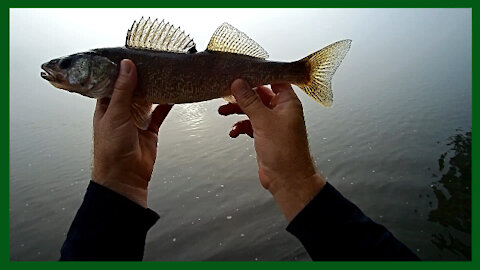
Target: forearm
pixel 107 226
pixel 332 228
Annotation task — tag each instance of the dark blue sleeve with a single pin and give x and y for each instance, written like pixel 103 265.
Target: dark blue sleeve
pixel 109 227
pixel 330 227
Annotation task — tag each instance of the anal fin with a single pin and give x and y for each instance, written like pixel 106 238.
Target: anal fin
pixel 142 114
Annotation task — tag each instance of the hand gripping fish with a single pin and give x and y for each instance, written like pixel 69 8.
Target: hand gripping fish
pixel 170 70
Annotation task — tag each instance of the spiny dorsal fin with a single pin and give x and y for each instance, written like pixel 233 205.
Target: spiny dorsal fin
pixel 158 36
pixel 231 40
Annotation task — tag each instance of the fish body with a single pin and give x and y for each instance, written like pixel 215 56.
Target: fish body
pixel 170 70
pixel 165 77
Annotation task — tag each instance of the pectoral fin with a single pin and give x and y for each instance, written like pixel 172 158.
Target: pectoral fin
pixel 230 99
pixel 142 114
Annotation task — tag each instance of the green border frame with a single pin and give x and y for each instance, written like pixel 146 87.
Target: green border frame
pixel 246 3
pixel 4 186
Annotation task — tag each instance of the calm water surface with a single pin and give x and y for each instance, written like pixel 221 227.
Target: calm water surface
pixel 395 142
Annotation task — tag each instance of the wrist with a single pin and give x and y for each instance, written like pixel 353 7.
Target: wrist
pixel 292 195
pixel 128 188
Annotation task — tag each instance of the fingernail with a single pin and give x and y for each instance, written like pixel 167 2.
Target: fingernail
pixel 125 68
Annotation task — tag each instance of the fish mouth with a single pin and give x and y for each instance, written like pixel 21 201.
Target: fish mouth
pixel 47 74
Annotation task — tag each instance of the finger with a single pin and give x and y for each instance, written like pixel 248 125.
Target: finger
pixel 248 100
pixel 230 108
pixel 242 127
pixel 281 87
pixel 101 108
pixel 266 94
pixel 284 93
pixel 158 115
pixel 123 89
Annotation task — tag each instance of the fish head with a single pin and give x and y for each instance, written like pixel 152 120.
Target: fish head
pixel 86 73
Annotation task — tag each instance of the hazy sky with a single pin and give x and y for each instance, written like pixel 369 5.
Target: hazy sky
pixel 385 41
pixel 38 35
pixel 62 31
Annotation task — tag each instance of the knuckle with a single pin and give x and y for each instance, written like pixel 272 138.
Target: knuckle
pixel 249 100
pixel 123 83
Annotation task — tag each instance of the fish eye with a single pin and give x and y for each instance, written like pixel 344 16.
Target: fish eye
pixel 65 63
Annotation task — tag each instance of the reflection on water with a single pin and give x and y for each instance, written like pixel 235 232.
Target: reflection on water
pixel 191 114
pixel 453 193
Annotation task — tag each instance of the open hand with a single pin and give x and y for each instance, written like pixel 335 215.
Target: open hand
pixel 285 166
pixel 123 155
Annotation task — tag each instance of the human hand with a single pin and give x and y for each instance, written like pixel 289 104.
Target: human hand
pixel 285 166
pixel 123 155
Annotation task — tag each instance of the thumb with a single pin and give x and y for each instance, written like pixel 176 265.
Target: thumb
pixel 247 99
pixel 123 89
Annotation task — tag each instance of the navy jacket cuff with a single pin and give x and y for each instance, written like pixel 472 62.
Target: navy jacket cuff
pixel 331 227
pixel 108 226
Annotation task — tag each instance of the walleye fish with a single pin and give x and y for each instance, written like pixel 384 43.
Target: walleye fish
pixel 170 70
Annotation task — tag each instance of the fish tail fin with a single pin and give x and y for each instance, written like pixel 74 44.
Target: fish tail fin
pixel 323 65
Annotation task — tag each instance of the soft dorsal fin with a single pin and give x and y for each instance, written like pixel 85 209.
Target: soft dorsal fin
pixel 158 36
pixel 229 39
